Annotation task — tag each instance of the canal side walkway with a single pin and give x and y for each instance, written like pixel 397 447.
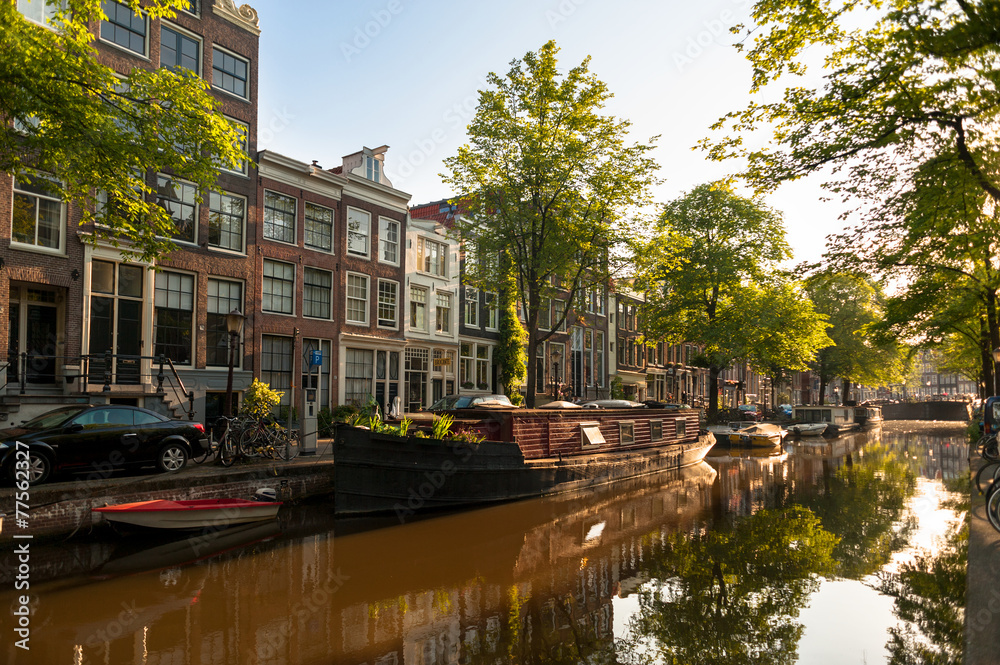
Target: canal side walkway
pixel 58 509
pixel 982 601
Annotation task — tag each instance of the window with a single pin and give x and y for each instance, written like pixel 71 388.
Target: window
pixel 179 51
pixel 432 257
pixel 626 431
pixel 373 168
pixel 621 351
pixel 357 298
pixel 558 315
pixel 276 362
pixel 471 307
pixel 358 376
pixel 174 316
pixel 123 27
pixel 599 358
pixel 242 144
pixel 442 313
pixel 601 296
pixel 223 297
pixel 278 289
pixel 388 235
pixel 545 314
pixel 38 214
pixel 492 310
pixel 418 308
pixel 230 72
pixel 317 293
pixel 191 7
pixel 358 227
pixel 226 221
pixel 178 199
pixel 680 428
pixel 655 430
pixel 474 366
pixel 279 217
pixel 39 11
pixel 482 367
pixel 319 227
pixel 388 303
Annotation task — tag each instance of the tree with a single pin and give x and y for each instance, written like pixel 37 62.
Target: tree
pixel 509 353
pixel 76 128
pixel 852 304
pixel 710 272
pixel 549 179
pixel 904 124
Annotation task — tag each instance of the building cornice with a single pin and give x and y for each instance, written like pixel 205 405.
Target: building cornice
pixel 244 16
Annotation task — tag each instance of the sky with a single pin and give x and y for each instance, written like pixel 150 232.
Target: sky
pixel 338 75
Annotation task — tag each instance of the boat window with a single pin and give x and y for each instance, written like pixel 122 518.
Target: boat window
pixel 626 431
pixel 590 435
pixel 655 430
pixel 681 428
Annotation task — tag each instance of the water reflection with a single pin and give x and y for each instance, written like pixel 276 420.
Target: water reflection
pixel 718 562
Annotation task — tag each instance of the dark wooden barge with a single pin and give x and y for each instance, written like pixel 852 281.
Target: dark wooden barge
pixel 527 453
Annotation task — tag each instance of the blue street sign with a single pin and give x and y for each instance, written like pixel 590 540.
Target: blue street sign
pixel 316 358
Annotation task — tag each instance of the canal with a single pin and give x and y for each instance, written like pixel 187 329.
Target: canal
pixel 850 550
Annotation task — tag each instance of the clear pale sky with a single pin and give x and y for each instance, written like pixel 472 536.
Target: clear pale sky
pixel 338 75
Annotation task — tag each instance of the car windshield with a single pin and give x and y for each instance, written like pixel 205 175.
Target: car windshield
pixel 451 402
pixel 54 418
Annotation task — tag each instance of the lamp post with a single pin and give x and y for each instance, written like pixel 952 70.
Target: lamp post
pixel 234 325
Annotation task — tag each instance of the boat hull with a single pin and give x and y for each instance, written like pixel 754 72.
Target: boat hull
pixel 194 514
pixel 387 474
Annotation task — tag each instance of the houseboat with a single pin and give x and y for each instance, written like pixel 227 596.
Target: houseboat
pixel 838 419
pixel 867 415
pixel 526 453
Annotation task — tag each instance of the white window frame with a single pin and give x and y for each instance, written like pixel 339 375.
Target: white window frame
pixel 425 302
pixel 438 295
pixel 471 307
pixel 305 271
pixel 61 248
pixel 233 54
pixel 395 305
pixel 295 217
pixel 126 49
pixel 190 35
pixel 243 224
pixel 197 206
pixel 264 293
pixel 306 205
pixel 245 169
pixel 47 12
pixel 366 218
pixel 424 256
pixel 348 298
pixel 384 224
pixel 492 310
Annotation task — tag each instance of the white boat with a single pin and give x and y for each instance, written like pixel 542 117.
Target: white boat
pixel 749 433
pixel 193 514
pixel 867 415
pixel 808 429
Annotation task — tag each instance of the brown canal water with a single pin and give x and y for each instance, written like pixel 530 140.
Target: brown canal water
pixel 824 551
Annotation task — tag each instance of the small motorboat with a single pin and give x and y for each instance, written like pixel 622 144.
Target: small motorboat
pixel 764 435
pixel 191 514
pixel 808 429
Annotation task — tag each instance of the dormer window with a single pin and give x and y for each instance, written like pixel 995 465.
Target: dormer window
pixel 373 169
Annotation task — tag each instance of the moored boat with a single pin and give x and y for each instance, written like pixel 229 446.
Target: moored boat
pixel 527 453
pixel 868 415
pixel 838 419
pixel 808 429
pixel 190 514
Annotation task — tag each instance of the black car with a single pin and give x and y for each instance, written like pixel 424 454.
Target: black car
pixel 98 440
pixel 452 402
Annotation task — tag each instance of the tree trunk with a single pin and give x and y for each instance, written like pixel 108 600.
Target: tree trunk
pixel 823 378
pixel 713 391
pixel 529 398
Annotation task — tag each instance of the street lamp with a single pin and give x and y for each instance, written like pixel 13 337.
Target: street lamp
pixel 234 326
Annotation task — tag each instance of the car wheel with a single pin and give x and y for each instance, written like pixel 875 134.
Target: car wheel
pixel 172 457
pixel 39 468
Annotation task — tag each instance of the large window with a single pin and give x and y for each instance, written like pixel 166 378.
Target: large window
pixel 358 376
pixel 443 312
pixel 230 72
pixel 278 289
pixel 432 257
pixel 599 358
pixel 317 293
pixel 226 221
pixel 39 11
pixel 471 307
pixel 179 50
pixel 276 362
pixel 357 298
pixel 279 217
pixel 358 231
pixel 174 316
pixel 242 144
pixel 559 315
pixel 545 314
pixel 319 227
pixel 492 310
pixel 475 366
pixel 124 27
pixel 38 214
pixel 179 199
pixel 418 308
pixel 388 303
pixel 223 297
pixel 388 240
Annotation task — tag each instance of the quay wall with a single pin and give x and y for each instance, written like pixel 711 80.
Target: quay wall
pixel 64 508
pixel 951 411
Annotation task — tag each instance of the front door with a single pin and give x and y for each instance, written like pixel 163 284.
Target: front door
pixel 33 319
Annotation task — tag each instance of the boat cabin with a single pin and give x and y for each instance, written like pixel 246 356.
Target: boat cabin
pixel 840 417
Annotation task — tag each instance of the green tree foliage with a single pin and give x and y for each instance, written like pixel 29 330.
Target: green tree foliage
pixel 853 304
pixel 509 352
pixel 710 272
pixel 549 179
pixel 904 124
pixel 95 133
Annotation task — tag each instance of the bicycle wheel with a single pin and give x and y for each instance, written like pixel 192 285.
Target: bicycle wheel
pixel 986 476
pixel 226 450
pixel 993 507
pixel 991 451
pixel 291 450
